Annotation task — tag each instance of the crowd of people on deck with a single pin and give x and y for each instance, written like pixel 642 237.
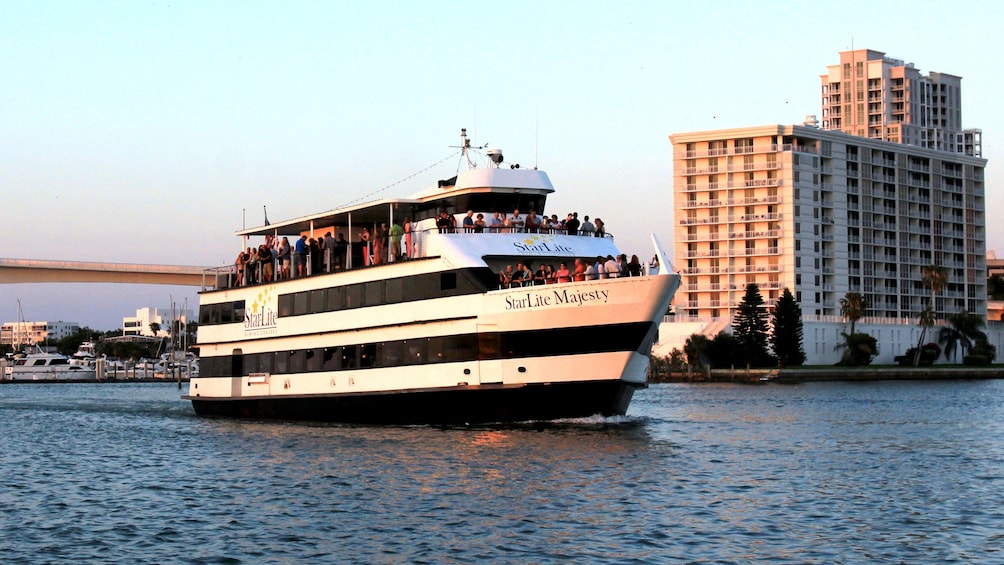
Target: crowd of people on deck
pixel 581 269
pixel 519 223
pixel 278 259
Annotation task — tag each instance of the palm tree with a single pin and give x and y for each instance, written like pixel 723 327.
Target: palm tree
pixel 933 277
pixel 964 331
pixel 852 307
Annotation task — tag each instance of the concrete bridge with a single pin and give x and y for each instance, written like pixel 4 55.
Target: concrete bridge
pixel 39 271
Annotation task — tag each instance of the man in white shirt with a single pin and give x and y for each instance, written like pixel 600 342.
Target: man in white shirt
pixel 611 268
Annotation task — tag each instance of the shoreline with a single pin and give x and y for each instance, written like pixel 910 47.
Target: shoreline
pixel 798 375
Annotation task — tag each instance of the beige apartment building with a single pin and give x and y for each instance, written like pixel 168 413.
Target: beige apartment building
pixel 871 95
pixel 825 213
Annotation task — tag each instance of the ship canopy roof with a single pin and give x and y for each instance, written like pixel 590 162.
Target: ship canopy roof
pixel 485 190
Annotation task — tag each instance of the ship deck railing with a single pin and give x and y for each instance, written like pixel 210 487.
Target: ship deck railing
pixel 358 255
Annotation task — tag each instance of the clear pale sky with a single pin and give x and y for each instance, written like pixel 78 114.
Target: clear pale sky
pixel 148 131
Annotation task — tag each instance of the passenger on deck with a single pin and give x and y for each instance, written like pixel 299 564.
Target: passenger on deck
pixel 395 234
pixel 558 226
pixel 469 222
pixel 341 249
pixel 540 275
pixel 316 257
pixel 240 263
pixel 497 223
pixel 572 223
pixel 587 228
pixel 579 274
pixel 251 266
pixel 328 246
pixel 532 222
pixel 443 222
pixel 591 274
pixel 611 268
pixel 552 274
pixel 300 250
pixel 479 223
pixel 367 251
pixel 520 277
pixel 634 266
pixel 265 260
pixel 408 251
pixel 380 244
pixel 600 271
pixel 505 277
pixel 515 222
pixel 563 275
pixel 600 229
pixel 284 256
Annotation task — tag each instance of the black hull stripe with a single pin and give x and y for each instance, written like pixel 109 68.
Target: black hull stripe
pixel 632 337
pixel 461 405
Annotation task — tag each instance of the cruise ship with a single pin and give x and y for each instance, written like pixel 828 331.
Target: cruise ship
pixel 423 332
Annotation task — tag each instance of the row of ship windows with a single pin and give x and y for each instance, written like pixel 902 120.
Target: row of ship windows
pixel 361 295
pixel 430 350
pixel 419 351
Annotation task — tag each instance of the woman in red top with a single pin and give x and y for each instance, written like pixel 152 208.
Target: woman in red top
pixel 563 274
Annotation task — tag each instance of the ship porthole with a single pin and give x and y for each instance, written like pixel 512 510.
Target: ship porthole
pixel 522 369
pixel 467 371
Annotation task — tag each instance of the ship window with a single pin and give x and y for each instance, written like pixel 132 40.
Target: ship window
pixel 332 358
pixel 414 351
pixel 336 298
pixel 367 356
pixel 390 354
pixel 448 281
pixel 297 361
pixel 354 296
pixel 226 314
pixel 314 360
pixel 300 303
pixel 251 363
pixel 374 293
pixel 266 362
pixel 318 301
pixel 395 291
pixel 281 362
pixel 462 348
pixel 349 357
pixel 434 350
pixel 285 305
pixel 489 346
pixel 238 307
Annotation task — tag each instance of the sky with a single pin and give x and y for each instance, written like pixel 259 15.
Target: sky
pixel 149 132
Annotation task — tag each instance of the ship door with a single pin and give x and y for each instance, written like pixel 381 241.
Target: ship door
pixel 237 364
pixel 236 371
pixel 489 358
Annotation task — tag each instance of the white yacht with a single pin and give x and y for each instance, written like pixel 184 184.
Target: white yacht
pixel 430 335
pixel 42 366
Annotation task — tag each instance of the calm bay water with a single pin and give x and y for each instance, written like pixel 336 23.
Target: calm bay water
pixel 880 472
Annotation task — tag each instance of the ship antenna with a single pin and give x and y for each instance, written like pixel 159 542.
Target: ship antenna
pixel 465 149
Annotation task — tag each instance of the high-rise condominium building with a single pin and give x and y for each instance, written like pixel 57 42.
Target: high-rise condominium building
pixel 825 213
pixel 871 95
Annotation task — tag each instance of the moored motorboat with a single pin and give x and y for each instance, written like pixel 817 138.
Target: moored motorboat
pixel 43 366
pixel 421 330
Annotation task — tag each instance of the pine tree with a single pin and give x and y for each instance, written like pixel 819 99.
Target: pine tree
pixel 750 328
pixel 786 339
